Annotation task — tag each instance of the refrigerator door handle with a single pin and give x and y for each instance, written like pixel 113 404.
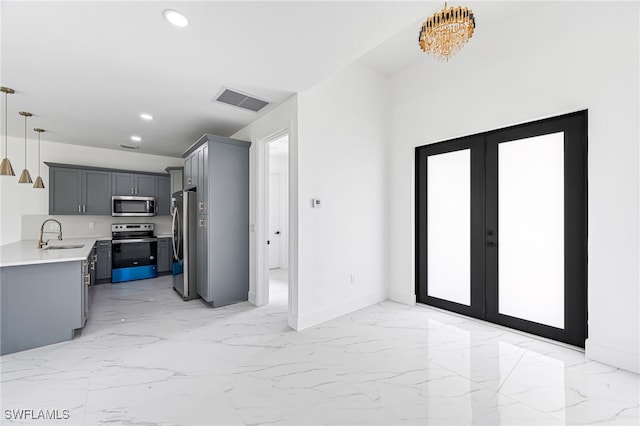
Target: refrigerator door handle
pixel 175 239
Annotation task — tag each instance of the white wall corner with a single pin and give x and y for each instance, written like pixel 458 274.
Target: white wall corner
pixel 293 322
pixel 404 298
pixel 614 357
pixel 333 312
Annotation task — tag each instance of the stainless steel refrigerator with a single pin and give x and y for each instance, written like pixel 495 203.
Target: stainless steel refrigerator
pixel 183 226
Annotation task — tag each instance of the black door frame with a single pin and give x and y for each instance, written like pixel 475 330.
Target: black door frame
pixel 484 205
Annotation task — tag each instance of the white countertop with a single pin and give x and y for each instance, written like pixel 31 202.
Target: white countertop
pixel 26 252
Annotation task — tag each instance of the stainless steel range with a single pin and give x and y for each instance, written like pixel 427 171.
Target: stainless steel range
pixel 134 252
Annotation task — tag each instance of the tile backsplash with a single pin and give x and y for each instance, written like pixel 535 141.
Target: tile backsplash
pixel 87 226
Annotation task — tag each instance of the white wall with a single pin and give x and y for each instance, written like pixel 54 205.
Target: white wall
pixel 583 56
pixel 22 199
pixel 342 131
pixel 284 118
pixel 337 152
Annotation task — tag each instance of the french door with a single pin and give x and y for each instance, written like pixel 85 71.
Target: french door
pixel 501 226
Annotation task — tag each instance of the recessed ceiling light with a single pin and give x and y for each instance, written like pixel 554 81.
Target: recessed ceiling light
pixel 176 18
pixel 136 138
pixel 145 116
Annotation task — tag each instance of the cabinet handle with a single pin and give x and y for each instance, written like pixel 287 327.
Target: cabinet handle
pixel 201 223
pixel 131 190
pixel 84 208
pixel 201 205
pixel 79 209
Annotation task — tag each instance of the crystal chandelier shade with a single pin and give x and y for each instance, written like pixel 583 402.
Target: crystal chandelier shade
pixel 445 32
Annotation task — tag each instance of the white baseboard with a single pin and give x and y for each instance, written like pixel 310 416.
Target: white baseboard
pixel 252 298
pixel 613 357
pixel 404 298
pixel 315 318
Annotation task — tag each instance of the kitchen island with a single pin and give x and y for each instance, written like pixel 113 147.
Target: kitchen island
pixel 44 293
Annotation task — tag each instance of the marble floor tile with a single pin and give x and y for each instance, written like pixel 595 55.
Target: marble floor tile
pixel 148 358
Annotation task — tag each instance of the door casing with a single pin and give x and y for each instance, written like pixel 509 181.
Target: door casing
pixel 484 214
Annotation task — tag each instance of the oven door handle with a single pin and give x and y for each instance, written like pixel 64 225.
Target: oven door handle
pixel 135 240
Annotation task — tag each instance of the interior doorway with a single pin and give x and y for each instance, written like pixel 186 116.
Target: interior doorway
pixel 277 196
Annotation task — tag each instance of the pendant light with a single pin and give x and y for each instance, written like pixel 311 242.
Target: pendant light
pixel 5 166
pixel 38 184
pixel 25 177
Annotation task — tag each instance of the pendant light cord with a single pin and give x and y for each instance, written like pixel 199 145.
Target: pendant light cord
pixel 6 125
pixel 25 141
pixel 39 154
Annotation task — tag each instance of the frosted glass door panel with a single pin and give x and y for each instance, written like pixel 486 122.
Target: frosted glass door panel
pixel 531 229
pixel 449 226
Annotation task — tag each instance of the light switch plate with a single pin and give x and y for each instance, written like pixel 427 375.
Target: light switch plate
pixel 315 203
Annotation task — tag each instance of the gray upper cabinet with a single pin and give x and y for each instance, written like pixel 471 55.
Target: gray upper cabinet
pixel 96 185
pixel 77 191
pixel 134 184
pixel 145 185
pixel 176 175
pixel 122 183
pixel 191 166
pixel 163 197
pixel 65 191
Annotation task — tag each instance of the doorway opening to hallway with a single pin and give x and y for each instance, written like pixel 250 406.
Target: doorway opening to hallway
pixel 277 221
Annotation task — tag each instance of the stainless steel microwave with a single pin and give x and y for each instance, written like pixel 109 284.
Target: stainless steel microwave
pixel 126 205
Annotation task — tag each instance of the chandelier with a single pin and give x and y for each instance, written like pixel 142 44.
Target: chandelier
pixel 445 32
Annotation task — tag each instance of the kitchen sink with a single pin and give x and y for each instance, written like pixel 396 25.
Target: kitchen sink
pixel 63 247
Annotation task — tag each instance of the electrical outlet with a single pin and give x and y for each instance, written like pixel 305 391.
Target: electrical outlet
pixel 92 225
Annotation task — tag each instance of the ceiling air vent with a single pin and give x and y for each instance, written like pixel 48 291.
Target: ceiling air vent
pixel 129 146
pixel 240 100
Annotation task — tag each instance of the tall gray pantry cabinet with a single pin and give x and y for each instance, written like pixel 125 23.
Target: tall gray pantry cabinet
pixel 217 168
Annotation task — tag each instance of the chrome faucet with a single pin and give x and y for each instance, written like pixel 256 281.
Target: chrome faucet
pixel 42 231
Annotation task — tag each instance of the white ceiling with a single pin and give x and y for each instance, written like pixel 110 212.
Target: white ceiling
pixel 86 69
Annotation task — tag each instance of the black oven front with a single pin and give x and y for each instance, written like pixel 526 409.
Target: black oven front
pixel 134 252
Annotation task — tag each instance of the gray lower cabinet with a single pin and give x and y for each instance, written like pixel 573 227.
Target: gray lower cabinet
pixel 42 304
pixel 103 263
pixel 75 191
pixel 165 254
pixel 88 270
